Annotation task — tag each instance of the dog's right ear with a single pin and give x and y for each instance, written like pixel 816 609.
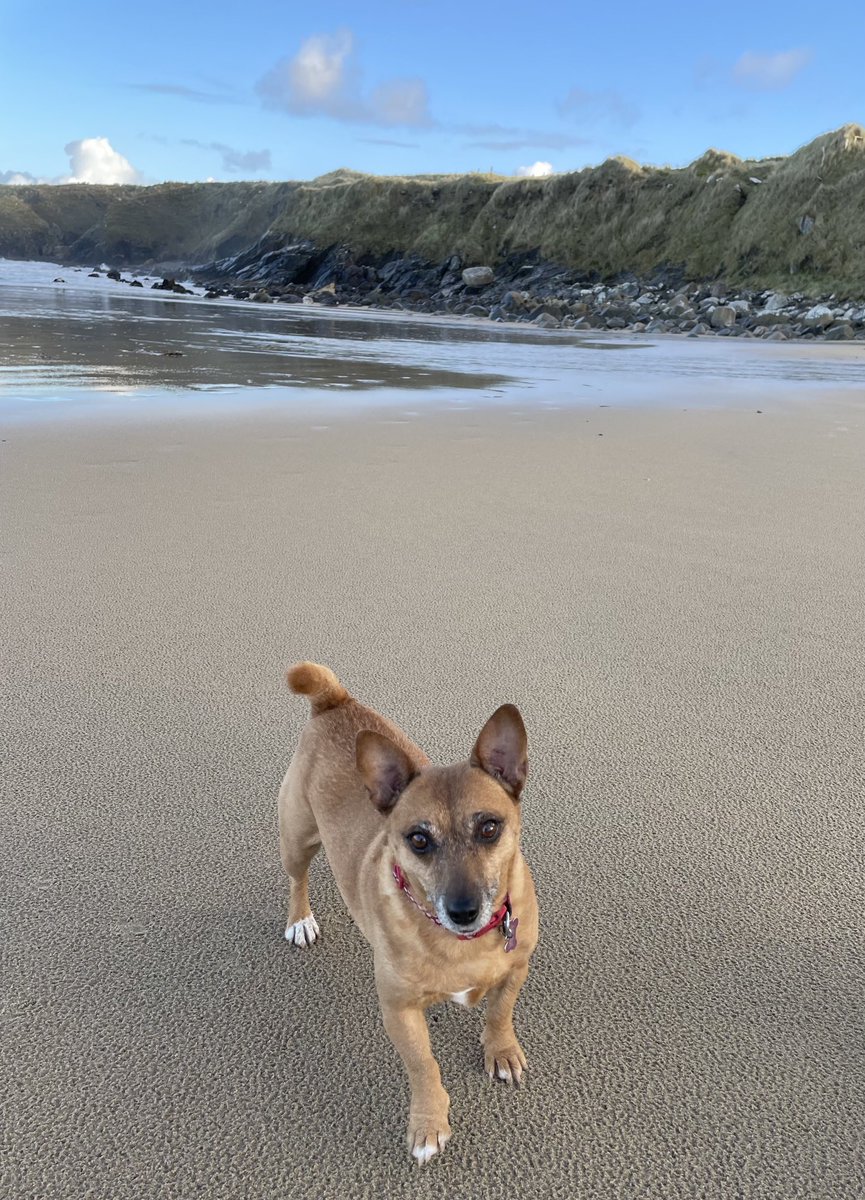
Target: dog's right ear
pixel 502 749
pixel 385 769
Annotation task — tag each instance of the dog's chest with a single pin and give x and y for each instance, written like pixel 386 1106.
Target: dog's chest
pixel 468 997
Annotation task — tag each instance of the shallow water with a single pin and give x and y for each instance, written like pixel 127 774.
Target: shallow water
pixel 91 345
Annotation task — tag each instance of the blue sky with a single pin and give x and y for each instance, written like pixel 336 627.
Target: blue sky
pixel 277 89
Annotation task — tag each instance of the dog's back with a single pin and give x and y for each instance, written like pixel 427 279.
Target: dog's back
pixel 323 775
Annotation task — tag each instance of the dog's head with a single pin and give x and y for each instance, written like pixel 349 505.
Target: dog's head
pixel 454 831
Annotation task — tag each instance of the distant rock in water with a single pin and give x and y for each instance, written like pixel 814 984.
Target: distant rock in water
pixel 171 285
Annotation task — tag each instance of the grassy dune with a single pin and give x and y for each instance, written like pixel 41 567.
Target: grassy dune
pixel 796 222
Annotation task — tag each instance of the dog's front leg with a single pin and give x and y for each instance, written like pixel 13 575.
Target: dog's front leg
pixel 503 1054
pixel 428 1127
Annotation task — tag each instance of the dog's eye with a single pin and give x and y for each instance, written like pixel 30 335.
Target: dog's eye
pixel 489 830
pixel 419 841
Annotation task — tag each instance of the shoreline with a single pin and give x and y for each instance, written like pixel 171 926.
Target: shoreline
pixel 551 298
pixel 165 352
pixel 542 297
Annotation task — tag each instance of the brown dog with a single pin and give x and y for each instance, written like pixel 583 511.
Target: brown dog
pixel 431 871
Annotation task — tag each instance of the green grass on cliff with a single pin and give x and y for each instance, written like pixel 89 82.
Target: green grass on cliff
pixel 795 223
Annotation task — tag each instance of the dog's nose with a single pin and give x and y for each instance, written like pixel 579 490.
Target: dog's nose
pixel 462 910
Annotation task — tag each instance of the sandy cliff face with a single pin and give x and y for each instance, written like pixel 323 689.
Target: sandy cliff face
pixel 797 222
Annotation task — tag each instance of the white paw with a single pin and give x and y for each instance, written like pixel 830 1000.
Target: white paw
pixel 302 933
pixel 428 1143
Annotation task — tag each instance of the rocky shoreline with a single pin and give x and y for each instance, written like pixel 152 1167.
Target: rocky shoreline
pixel 526 291
pixel 539 294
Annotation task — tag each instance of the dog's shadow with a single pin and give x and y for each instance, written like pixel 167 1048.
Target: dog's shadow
pixel 313 1040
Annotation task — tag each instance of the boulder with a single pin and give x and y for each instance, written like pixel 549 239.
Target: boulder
pixel 818 317
pixel 513 301
pixel 171 285
pixel 546 320
pixel 115 275
pixel 841 332
pixel 136 283
pixel 722 316
pixel 262 297
pixel 478 277
pixel 775 302
pixel 616 312
pixel 770 318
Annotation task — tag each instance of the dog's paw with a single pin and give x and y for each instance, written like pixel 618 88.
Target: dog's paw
pixel 303 932
pixel 505 1062
pixel 427 1137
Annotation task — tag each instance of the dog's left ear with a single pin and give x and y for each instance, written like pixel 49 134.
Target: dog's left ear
pixel 502 749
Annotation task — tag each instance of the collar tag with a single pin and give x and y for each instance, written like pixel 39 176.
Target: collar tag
pixel 509 929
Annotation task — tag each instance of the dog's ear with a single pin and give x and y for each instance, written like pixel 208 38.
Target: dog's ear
pixel 385 769
pixel 502 749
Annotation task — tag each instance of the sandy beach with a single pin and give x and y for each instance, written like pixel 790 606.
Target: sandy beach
pixel 674 598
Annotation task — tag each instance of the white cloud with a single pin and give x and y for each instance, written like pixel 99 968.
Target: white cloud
pixel 94 160
pixel 770 72
pixel 402 102
pixel 323 79
pixel 320 79
pixel 317 73
pixel 91 160
pixel 536 171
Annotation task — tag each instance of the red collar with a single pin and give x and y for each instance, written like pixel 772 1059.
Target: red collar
pixel 501 917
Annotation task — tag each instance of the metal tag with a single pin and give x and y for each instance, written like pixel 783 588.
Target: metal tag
pixel 509 929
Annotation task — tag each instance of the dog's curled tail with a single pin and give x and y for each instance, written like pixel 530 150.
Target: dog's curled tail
pixel 319 684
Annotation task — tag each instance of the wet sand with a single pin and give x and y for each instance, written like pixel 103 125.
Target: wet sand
pixel 674 599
